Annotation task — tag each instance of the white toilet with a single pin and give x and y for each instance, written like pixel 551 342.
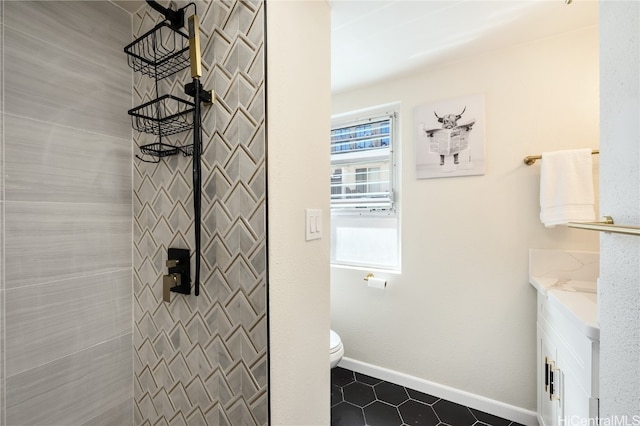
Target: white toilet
pixel 336 350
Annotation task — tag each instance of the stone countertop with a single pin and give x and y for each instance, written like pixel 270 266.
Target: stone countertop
pixel 576 299
pixel 569 281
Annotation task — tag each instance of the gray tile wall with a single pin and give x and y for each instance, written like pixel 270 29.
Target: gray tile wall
pixel 66 215
pixel 2 306
pixel 203 360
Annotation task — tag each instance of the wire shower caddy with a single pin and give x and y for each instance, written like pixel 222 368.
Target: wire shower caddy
pixel 160 53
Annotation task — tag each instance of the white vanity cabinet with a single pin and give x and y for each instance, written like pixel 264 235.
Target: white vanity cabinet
pixel 568 348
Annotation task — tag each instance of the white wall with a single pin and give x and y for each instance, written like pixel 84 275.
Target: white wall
pixel 462 312
pixel 619 288
pixel 298 110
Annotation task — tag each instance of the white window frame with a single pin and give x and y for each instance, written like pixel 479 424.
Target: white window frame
pixel 385 216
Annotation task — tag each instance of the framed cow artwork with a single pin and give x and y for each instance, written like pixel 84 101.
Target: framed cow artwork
pixel 449 138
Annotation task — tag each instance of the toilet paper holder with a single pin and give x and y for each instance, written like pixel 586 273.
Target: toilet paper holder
pixel 374 282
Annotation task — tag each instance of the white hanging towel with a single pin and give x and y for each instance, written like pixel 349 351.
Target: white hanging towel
pixel 566 187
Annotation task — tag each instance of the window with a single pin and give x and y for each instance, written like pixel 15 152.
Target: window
pixel 364 210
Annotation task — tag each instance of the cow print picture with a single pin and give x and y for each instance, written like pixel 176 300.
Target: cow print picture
pixel 449 138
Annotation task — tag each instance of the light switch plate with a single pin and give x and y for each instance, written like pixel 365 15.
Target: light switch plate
pixel 313 224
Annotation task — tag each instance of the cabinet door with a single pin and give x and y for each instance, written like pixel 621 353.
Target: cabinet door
pixel 550 409
pixel 579 407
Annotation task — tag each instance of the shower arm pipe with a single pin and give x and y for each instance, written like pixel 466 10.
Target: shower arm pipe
pixel 197 181
pixel 199 95
pixel 196 73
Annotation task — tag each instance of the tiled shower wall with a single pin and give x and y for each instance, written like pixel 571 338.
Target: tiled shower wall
pixel 2 308
pixel 66 286
pixel 203 360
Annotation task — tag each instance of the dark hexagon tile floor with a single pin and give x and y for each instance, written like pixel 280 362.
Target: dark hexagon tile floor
pixel 361 400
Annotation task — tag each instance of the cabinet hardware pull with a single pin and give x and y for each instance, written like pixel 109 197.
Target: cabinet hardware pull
pixel 554 382
pixel 551 389
pixel 546 374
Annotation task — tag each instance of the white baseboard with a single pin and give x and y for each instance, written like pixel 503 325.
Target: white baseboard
pixel 477 402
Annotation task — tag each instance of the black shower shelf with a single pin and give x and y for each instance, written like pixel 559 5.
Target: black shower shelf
pixel 166 115
pixel 159 53
pixel 160 149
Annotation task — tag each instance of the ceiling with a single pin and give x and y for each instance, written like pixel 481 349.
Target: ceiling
pixel 379 39
pixel 372 40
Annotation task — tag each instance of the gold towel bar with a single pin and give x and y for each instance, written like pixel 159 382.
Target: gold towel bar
pixel 606 225
pixel 530 159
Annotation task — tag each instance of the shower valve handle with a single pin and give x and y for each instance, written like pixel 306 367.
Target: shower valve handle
pixel 178 280
pixel 168 282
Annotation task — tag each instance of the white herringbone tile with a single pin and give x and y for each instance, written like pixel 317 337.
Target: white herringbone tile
pixel 203 360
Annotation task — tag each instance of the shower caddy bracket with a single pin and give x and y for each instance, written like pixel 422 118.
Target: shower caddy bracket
pixel 175 17
pixel 159 53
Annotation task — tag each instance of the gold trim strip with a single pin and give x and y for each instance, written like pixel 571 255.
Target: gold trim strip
pixel 606 225
pixel 530 159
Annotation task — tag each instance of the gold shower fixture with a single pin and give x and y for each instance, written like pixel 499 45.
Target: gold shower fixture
pixel 194 46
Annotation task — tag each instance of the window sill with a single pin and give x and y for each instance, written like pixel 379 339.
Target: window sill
pixel 366 269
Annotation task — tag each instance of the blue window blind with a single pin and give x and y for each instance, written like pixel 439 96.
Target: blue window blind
pixel 362 165
pixel 361 137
